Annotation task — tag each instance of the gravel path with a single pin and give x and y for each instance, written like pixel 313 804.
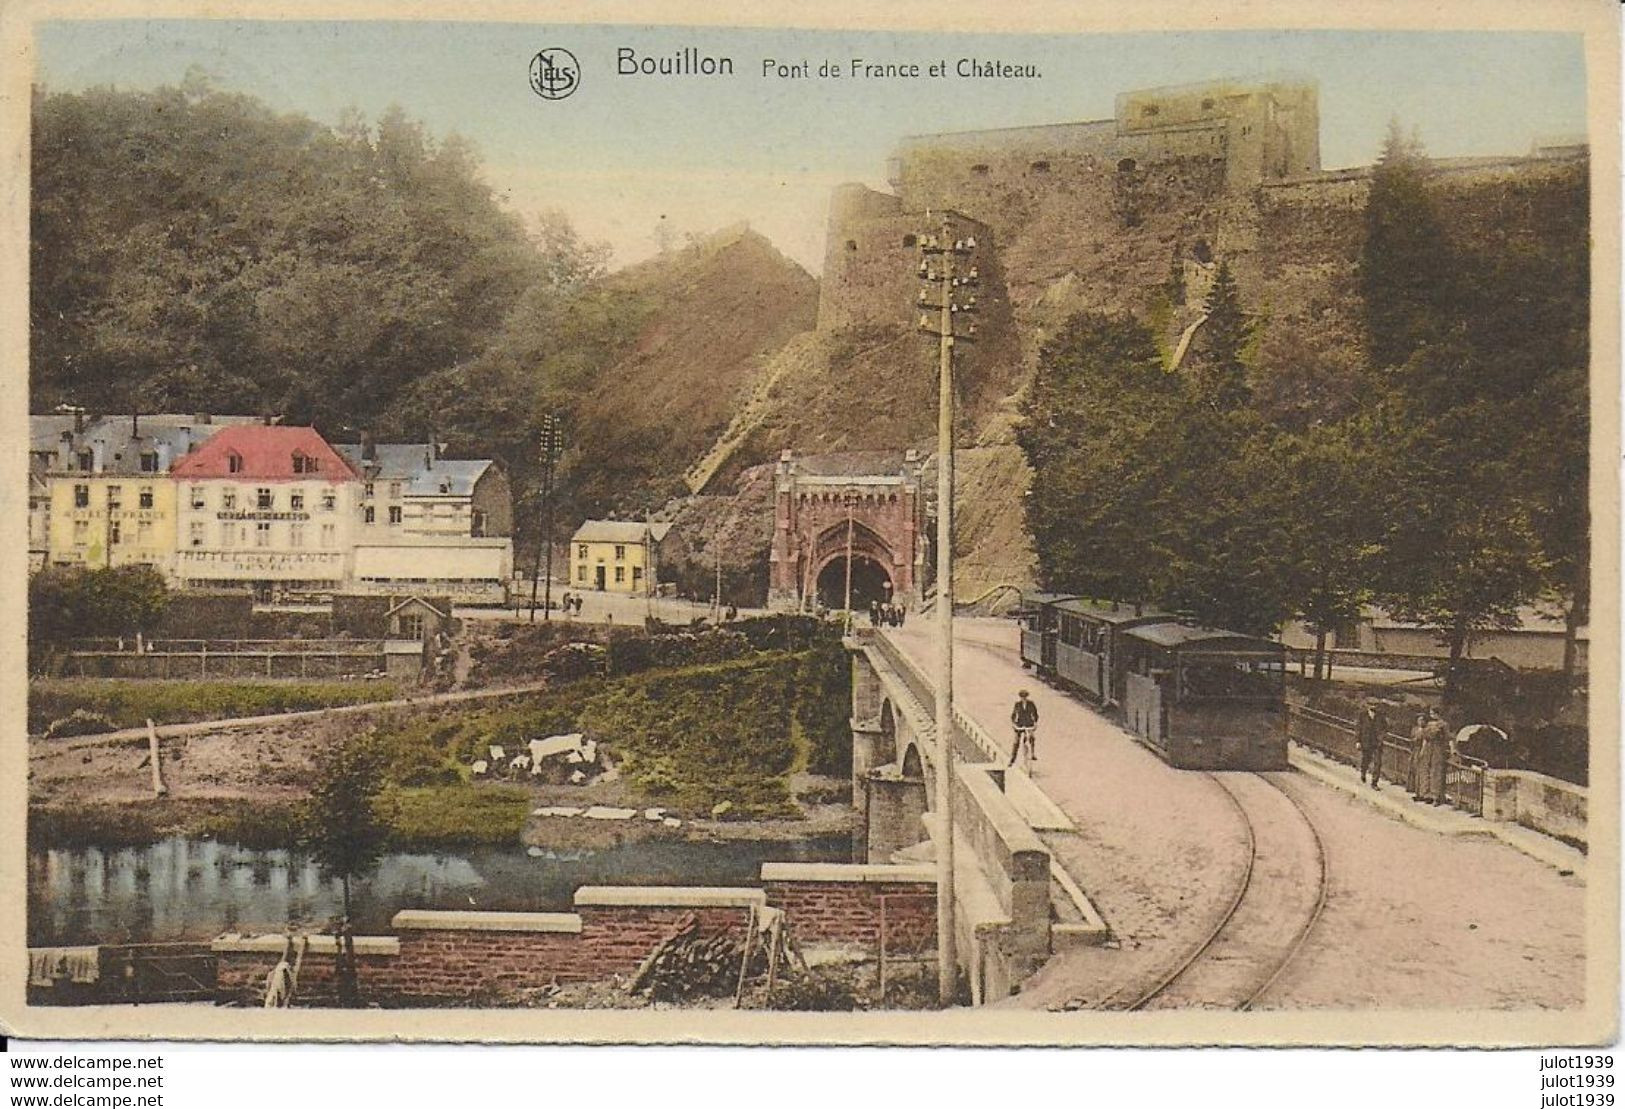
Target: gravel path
pixel 1413 918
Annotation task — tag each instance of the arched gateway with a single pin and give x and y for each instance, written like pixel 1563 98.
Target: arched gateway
pixel 827 509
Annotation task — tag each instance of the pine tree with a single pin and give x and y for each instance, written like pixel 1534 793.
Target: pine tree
pixel 1220 375
pixel 1406 275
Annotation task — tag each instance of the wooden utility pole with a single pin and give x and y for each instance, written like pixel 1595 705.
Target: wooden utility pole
pixel 851 502
pixel 552 444
pixel 946 283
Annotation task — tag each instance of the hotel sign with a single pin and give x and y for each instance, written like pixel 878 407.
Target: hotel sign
pixel 255 515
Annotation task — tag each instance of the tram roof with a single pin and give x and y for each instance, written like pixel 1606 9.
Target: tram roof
pixel 1105 612
pixel 1175 635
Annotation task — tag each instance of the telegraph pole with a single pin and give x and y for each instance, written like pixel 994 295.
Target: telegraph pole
pixel 851 501
pixel 552 444
pixel 942 279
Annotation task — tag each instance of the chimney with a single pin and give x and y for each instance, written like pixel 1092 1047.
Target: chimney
pixel 369 449
pixel 428 457
pixel 135 425
pixel 64 451
pixel 97 452
pixel 163 456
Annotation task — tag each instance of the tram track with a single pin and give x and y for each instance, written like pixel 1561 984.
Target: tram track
pixel 1279 896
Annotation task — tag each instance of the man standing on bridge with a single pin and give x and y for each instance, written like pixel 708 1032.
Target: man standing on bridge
pixel 1025 718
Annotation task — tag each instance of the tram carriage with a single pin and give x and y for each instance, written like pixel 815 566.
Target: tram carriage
pixel 1205 699
pixel 1202 698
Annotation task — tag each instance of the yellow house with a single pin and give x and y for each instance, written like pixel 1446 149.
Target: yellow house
pixel 615 556
pixel 111 499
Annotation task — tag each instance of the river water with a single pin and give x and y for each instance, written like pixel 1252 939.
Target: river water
pixel 187 889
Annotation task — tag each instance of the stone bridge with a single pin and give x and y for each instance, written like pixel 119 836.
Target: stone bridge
pixel 1014 905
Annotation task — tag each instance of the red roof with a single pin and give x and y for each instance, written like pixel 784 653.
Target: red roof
pixel 265 454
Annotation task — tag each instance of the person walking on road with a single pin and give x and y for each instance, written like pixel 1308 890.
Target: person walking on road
pixel 1419 754
pixel 1025 718
pixel 1369 732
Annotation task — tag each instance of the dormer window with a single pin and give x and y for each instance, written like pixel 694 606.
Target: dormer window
pixel 234 462
pixel 87 461
pixel 303 463
pixel 149 462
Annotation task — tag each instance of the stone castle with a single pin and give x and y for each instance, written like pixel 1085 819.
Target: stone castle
pixel 1100 214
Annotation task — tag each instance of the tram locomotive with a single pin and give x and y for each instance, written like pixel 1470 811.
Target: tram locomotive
pixel 1201 698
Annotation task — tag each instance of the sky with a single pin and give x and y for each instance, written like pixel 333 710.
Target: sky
pixel 626 155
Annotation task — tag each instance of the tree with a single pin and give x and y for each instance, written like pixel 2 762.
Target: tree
pixel 1096 426
pixel 1406 272
pixel 70 603
pixel 1218 374
pixel 1333 529
pixel 345 835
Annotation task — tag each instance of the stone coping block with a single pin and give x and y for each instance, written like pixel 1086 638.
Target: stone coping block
pixel 847 872
pixel 459 920
pixel 677 897
pixel 274 943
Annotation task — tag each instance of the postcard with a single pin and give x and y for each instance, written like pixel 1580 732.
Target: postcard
pixel 1074 527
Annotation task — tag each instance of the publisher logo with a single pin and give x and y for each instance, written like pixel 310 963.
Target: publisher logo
pixel 554 73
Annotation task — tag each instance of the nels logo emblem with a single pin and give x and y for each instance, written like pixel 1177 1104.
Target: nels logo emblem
pixel 554 73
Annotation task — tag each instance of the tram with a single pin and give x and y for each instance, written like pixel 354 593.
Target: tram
pixel 1201 698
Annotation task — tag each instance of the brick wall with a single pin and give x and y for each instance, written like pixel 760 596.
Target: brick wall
pixel 841 903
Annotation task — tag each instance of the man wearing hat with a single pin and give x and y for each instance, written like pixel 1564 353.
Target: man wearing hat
pixel 1025 718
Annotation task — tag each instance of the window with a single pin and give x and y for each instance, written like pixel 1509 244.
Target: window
pixel 197 496
pixel 195 536
pixel 910 240
pixel 581 571
pixel 262 534
pixel 581 550
pixel 852 245
pixel 620 552
pixel 149 462
pixel 143 532
pixel 366 490
pixel 115 497
pixel 395 490
pixel 394 513
pixel 637 574
pixel 368 514
pixel 1126 166
pixel 620 573
pixel 228 499
pixel 144 497
pixel 114 532
pixel 81 496
pixel 234 462
pixel 87 461
pixel 304 464
pixel 411 627
pixel 477 527
pixel 262 499
pixel 81 533
pixel 330 500
pixel 296 500
pixel 228 535
pixel 296 535
pixel 327 535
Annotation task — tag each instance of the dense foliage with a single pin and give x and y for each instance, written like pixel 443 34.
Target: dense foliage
pixel 1444 479
pixel 68 604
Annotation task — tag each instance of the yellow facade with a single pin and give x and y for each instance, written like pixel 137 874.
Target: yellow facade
pixel 614 567
pixel 100 520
